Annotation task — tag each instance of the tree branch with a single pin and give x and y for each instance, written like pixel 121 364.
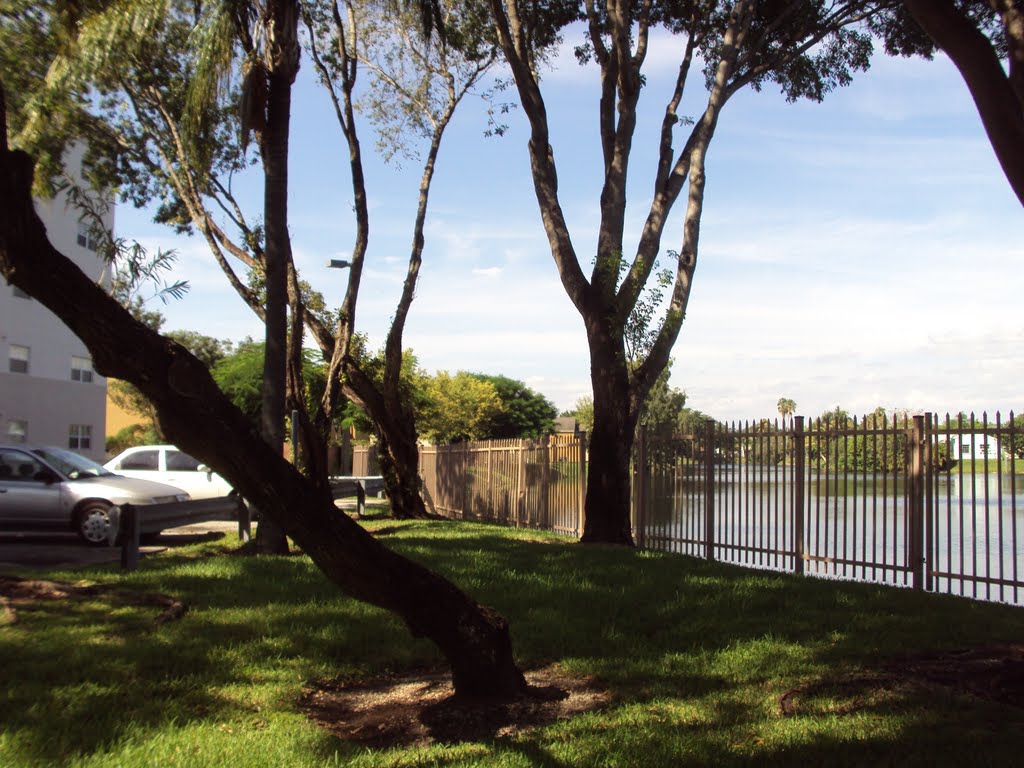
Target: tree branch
pixel 1000 103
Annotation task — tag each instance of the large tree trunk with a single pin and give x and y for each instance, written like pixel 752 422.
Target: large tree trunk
pixel 270 539
pixel 608 499
pixel 199 418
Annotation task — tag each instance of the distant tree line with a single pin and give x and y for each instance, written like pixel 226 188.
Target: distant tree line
pixel 449 408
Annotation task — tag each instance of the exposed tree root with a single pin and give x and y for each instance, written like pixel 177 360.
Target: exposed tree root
pixel 15 590
pixel 420 708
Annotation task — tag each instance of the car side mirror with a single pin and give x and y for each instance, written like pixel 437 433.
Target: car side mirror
pixel 207 470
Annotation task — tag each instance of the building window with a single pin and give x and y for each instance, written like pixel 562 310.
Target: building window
pixel 80 437
pixel 18 359
pixel 81 369
pixel 20 294
pixel 17 431
pixel 86 238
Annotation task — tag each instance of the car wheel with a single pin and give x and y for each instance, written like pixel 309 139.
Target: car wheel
pixel 93 523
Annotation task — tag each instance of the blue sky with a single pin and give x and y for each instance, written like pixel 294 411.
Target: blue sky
pixel 861 252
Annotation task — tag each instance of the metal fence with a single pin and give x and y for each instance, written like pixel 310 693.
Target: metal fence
pixel 909 501
pixel 913 501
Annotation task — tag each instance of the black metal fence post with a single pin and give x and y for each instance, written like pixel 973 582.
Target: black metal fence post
pixel 799 493
pixel 709 489
pixel 915 504
pixel 640 495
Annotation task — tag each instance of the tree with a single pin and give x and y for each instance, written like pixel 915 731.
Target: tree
pixel 524 413
pixel 458 408
pixel 985 40
pixel 198 417
pixel 159 142
pixel 664 408
pixel 787 407
pixel 240 373
pixel 416 86
pixel 807 48
pixel 583 412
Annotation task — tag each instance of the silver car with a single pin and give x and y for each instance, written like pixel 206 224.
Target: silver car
pixel 55 489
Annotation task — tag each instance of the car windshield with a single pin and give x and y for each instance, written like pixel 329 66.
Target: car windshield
pixel 71 464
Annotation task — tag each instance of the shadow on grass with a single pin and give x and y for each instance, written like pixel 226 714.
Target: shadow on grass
pixel 657 624
pixel 697 654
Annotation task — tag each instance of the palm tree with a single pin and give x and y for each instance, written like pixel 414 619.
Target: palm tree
pixel 786 408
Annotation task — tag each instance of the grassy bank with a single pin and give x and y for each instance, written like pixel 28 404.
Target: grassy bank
pixel 696 655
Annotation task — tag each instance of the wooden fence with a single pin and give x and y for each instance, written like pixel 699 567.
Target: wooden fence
pixel 525 483
pixel 909 501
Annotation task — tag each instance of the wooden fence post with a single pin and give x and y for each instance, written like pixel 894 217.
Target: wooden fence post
pixel 545 483
pixel 709 489
pixel 521 505
pixel 582 508
pixel 915 503
pixel 490 481
pixel 799 493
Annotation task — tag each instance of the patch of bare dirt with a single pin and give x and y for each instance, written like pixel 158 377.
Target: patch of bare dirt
pixel 16 591
pixel 994 673
pixel 420 708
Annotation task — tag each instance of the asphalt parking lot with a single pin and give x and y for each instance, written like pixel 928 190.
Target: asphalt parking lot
pixel 63 551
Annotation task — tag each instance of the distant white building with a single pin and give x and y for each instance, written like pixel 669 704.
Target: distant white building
pixel 973 445
pixel 49 393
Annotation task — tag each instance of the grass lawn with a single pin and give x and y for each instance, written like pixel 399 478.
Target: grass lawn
pixel 697 657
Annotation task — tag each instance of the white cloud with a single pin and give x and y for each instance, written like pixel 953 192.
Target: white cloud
pixel 488 272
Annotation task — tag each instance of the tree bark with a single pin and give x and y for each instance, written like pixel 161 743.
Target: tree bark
pixel 397 443
pixel 608 498
pixel 283 16
pixel 999 104
pixel 199 418
pixel 398 454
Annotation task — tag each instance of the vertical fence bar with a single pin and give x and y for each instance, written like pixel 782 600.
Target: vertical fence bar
pixel 709 489
pixel 582 509
pixel 915 504
pixel 929 505
pixel 798 494
pixel 1012 457
pixel 521 483
pixel 998 443
pixel 545 482
pixel 642 480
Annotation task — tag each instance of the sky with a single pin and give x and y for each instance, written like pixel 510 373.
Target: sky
pixel 861 252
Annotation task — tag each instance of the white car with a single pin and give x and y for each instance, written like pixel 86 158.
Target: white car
pixel 166 464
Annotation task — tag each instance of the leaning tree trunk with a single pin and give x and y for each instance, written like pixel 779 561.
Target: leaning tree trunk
pixel 199 418
pixel 608 498
pixel 398 455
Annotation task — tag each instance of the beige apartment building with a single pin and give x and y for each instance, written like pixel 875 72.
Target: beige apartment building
pixel 49 392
